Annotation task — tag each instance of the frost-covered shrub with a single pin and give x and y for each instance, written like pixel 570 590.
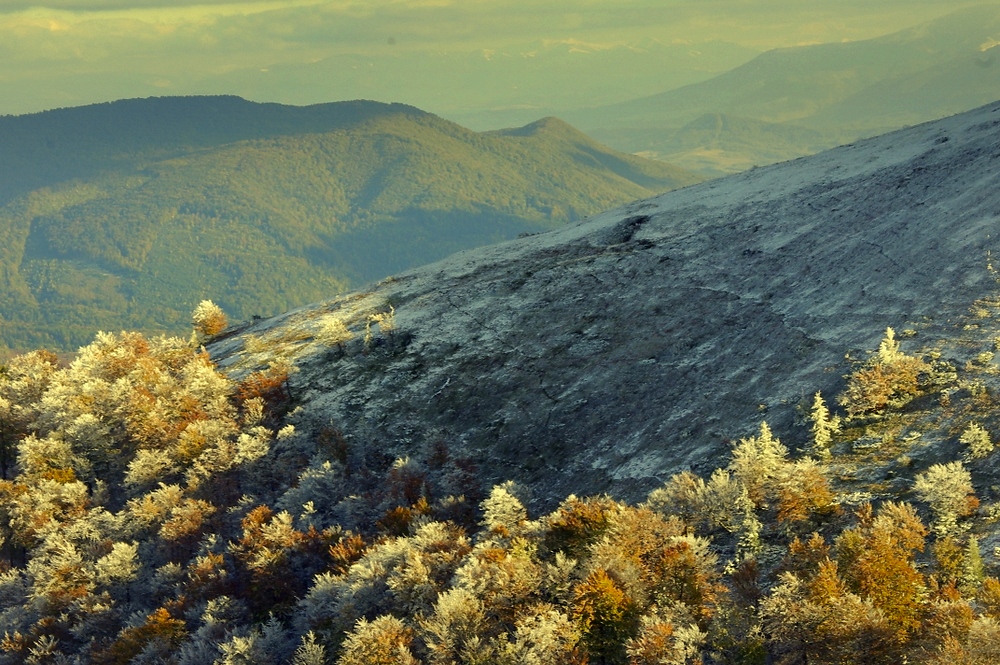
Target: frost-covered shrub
pixel 948 489
pixel 333 331
pixel 757 462
pixel 977 440
pixel 384 641
pixel 208 319
pixel 503 511
pixel 323 486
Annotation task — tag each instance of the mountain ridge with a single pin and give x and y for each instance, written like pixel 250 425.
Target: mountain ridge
pixel 844 91
pixel 134 239
pixel 765 87
pixel 624 348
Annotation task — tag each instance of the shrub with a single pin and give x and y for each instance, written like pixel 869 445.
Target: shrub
pixel 947 488
pixel 977 440
pixel 889 376
pixel 757 462
pixel 384 641
pixel 334 332
pixel 823 427
pixel 209 319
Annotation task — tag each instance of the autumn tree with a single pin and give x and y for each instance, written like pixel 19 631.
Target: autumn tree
pixel 209 319
pixel 876 560
pixel 823 427
pixel 607 617
pixel 888 377
pixel 948 489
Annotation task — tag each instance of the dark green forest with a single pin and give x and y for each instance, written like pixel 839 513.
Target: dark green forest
pixel 155 510
pixel 125 215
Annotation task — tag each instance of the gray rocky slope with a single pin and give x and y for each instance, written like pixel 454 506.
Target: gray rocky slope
pixel 607 355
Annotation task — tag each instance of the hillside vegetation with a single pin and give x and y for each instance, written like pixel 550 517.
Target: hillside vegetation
pixel 157 510
pixel 125 214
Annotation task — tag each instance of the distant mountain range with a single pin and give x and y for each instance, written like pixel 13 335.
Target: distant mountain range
pixel 127 214
pixel 842 91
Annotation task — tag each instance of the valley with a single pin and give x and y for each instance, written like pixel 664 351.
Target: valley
pixel 122 215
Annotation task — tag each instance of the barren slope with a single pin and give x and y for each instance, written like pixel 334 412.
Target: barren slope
pixel 607 355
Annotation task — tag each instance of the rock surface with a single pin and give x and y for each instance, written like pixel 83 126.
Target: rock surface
pixel 610 354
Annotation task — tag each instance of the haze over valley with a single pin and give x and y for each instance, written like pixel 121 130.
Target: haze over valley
pixel 418 332
pixel 121 215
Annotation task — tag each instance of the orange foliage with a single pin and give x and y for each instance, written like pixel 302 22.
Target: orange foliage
pixel 989 597
pixel 120 359
pixel 653 646
pixel 804 558
pixel 677 576
pixel 396 521
pixel 344 553
pixel 805 494
pixel 186 520
pixel 270 385
pixel 160 627
pixel 61 476
pixel 606 615
pixel 870 388
pixel 207 577
pixel 877 563
pixel 948 556
pixel 15 643
pixel 578 523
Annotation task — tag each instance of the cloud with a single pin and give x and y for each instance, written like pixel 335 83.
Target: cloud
pixel 107 5
pixel 129 47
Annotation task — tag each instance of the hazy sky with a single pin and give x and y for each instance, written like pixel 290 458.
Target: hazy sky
pixel 446 56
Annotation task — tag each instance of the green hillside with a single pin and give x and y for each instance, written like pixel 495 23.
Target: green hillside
pixel 127 214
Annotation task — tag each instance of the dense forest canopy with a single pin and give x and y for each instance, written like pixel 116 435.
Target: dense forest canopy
pixel 157 510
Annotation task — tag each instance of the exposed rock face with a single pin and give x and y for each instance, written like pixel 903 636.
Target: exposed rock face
pixel 610 354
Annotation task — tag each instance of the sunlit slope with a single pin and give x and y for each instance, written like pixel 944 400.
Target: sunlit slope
pixel 271 215
pixel 612 353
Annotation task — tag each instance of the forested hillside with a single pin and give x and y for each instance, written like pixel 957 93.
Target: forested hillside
pixel 125 214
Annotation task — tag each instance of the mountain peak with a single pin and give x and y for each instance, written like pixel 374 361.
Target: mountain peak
pixel 549 125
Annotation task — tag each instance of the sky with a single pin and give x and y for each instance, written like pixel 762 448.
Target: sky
pixel 458 58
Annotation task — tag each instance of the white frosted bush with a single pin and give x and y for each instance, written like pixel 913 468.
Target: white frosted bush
pixel 149 467
pixel 977 440
pixel 119 565
pixel 948 489
pixel 208 318
pixel 502 510
pixel 322 484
